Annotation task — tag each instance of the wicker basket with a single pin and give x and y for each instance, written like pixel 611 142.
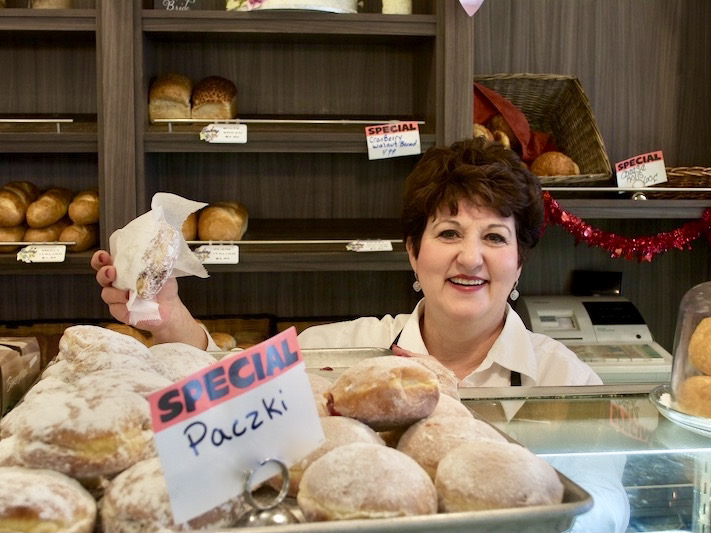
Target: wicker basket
pixel 556 104
pixel 684 178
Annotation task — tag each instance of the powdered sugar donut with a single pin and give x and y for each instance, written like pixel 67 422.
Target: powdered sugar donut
pixel 181 359
pixel 483 475
pixel 43 500
pixel 116 380
pixel 137 501
pixel 84 433
pixel 363 480
pixel 429 440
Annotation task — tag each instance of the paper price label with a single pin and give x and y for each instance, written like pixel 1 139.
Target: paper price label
pixel 371 245
pixel 643 170
pixel 215 426
pixel 224 133
pixel 220 254
pixel 37 253
pixel 393 140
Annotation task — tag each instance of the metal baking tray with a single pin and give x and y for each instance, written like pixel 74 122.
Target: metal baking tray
pixel 534 519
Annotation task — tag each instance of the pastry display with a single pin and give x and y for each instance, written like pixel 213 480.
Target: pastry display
pixel 554 164
pixel 384 392
pixel 222 221
pixel 214 97
pixel 169 97
pixel 363 480
pixel 483 475
pixel 44 500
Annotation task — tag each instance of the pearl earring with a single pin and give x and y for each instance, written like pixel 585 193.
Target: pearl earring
pixel 416 284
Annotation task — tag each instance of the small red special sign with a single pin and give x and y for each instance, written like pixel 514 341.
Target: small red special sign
pixel 215 426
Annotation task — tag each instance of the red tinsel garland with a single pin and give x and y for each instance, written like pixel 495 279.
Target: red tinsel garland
pixel 640 248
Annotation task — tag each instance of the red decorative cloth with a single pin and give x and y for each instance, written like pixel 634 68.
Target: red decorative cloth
pixel 488 103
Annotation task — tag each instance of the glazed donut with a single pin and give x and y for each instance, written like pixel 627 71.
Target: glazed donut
pixel 384 392
pixel 482 475
pixel 137 501
pixel 43 500
pixel 338 431
pixel 429 440
pixel 363 480
pixel 694 396
pixel 700 347
pixel 84 433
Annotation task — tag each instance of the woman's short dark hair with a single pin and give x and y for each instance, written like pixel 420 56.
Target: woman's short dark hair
pixel 485 173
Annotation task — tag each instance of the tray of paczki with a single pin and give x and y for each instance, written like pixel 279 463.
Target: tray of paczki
pixel 559 515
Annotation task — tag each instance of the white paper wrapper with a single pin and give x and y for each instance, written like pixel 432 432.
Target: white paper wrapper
pixel 134 249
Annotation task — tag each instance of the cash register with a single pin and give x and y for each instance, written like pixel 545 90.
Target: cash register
pixel 607 332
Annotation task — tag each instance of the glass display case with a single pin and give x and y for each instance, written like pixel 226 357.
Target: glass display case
pixel 611 436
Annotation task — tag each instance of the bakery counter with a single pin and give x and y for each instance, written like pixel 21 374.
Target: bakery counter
pixel 589 433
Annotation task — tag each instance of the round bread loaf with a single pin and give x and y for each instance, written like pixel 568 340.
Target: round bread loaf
pixel 700 347
pixel 429 440
pixel 384 392
pixel 85 434
pixel 554 164
pixel 44 500
pixel 694 396
pixel 337 431
pixel 484 475
pixel 214 97
pixel 189 227
pixel 137 501
pixel 363 480
pixel 84 207
pixel 222 221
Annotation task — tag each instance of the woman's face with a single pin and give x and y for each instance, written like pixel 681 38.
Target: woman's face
pixel 468 263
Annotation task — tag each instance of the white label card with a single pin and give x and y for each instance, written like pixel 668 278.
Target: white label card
pixel 643 170
pixel 224 133
pixel 370 245
pixel 218 254
pixel 214 427
pixel 394 139
pixel 42 253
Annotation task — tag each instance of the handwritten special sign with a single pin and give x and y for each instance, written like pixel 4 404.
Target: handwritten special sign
pixel 642 170
pixel 215 426
pixel 394 139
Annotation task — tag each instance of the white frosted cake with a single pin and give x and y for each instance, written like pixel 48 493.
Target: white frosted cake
pixel 333 6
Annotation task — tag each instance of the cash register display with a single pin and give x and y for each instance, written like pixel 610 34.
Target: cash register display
pixel 613 313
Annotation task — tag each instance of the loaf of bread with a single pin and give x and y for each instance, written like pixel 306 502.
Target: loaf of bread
pixel 84 207
pixel 365 480
pixel 51 4
pixel 214 97
pixel 384 392
pixel 49 207
pixel 554 164
pixel 169 97
pixel 15 198
pixel 11 234
pixel 499 123
pixel 222 221
pixel 189 227
pixel 49 233
pixel 85 236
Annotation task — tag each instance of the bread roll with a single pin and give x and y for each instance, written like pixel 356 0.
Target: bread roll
pixel 189 227
pixel 479 130
pixel 483 475
pixel 222 221
pixel 15 198
pixel 169 97
pixel 44 500
pixel 694 396
pixel 49 207
pixel 498 123
pixel 363 480
pixel 224 340
pixel 215 98
pixel 84 236
pixel 49 233
pixel 11 234
pixel 384 392
pixel 554 164
pixel 84 207
pixel 700 347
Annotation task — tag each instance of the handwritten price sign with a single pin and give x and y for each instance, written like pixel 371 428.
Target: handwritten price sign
pixel 643 170
pixel 393 140
pixel 215 426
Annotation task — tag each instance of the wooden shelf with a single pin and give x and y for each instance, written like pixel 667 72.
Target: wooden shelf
pixel 635 209
pixel 78 263
pixel 55 20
